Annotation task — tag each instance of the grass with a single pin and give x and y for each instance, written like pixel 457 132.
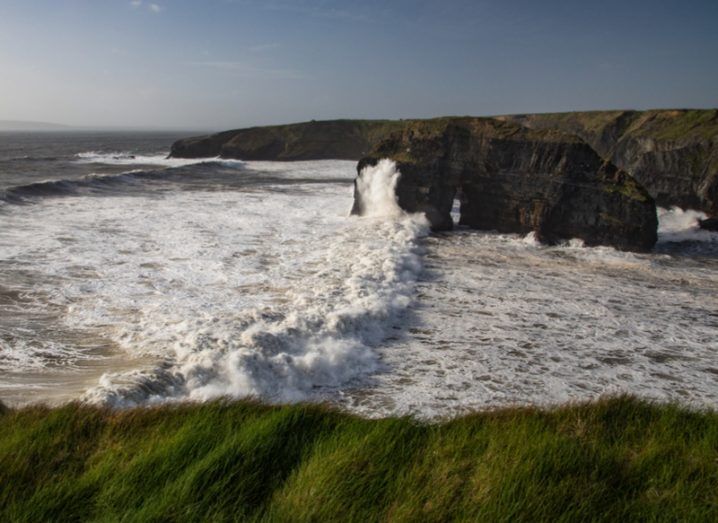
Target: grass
pixel 670 125
pixel 617 459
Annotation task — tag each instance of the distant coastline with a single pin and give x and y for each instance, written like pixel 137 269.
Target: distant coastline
pixel 22 125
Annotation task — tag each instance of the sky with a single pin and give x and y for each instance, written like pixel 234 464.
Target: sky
pixel 220 64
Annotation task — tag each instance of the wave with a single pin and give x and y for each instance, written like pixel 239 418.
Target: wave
pixel 28 158
pixel 320 336
pixel 100 183
pixel 23 194
pixel 162 159
pixel 679 225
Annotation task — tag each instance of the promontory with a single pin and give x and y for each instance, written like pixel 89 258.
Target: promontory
pixel 590 175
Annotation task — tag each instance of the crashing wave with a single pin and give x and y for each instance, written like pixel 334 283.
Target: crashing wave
pixel 321 336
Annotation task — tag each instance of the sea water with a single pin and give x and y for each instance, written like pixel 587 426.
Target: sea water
pixel 127 278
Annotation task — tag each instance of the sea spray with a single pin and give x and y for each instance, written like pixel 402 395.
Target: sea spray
pixel 682 225
pixel 376 189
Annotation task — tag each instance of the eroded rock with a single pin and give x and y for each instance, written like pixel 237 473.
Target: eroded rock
pixel 516 180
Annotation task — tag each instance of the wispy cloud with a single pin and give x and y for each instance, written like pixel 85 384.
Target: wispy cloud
pixel 152 7
pixel 242 69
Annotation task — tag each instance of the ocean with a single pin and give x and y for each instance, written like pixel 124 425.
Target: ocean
pixel 127 278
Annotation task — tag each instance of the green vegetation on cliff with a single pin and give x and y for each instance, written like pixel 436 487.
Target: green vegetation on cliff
pixel 678 125
pixel 614 460
pixel 328 139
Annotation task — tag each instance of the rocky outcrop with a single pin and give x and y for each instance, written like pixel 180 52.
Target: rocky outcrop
pixel 673 153
pixel 709 224
pixel 315 140
pixel 514 179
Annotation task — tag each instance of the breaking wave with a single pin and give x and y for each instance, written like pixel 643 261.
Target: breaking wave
pixel 162 160
pixel 376 187
pixel 95 183
pixel 319 332
pixel 678 225
pixel 90 184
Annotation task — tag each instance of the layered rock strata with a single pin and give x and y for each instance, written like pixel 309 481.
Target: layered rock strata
pixel 673 153
pixel 517 180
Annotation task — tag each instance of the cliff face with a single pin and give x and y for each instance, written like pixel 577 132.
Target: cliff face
pixel 514 179
pixel 333 139
pixel 673 153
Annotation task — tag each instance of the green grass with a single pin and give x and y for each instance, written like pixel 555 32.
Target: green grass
pixel 619 459
pixel 670 125
pixel 676 125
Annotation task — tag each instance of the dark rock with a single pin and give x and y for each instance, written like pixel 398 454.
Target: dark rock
pixel 673 153
pixel 709 224
pixel 517 180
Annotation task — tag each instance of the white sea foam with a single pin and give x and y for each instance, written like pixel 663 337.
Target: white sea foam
pixel 320 312
pixel 21 355
pixel 679 225
pixel 305 169
pixel 276 292
pixel 161 160
pixel 377 189
pixel 273 294
pixel 502 321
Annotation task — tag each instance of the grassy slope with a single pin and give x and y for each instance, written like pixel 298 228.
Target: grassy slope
pixel 658 124
pixel 618 459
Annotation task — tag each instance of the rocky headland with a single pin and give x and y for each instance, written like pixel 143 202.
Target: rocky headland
pixel 516 180
pixel 315 140
pixel 562 175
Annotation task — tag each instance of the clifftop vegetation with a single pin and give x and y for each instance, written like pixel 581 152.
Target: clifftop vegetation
pixel 614 460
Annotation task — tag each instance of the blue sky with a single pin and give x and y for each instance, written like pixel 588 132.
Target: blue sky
pixel 220 64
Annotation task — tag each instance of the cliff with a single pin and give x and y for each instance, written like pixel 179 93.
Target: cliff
pixel 515 179
pixel 673 153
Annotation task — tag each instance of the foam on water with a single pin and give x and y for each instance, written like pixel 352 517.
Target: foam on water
pixel 678 225
pixel 162 160
pixel 279 295
pixel 502 320
pixel 271 290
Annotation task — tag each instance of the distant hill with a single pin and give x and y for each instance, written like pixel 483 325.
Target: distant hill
pixel 20 125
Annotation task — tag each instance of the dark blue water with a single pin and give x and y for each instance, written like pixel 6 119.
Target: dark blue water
pixel 28 157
